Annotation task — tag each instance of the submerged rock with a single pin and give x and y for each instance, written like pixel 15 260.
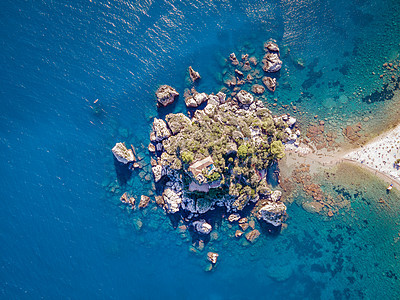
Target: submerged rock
pixel 252 236
pixel 257 89
pixel 193 74
pixel 122 154
pixel 166 95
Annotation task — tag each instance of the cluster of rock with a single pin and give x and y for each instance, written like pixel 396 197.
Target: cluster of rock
pixel 227 126
pixel 271 63
pixel 194 99
pixel 271 60
pixel 131 201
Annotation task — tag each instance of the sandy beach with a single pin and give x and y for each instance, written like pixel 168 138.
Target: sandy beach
pixel 380 155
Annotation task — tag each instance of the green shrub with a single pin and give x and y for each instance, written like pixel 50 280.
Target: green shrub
pixel 187 157
pixel 243 150
pixel 277 150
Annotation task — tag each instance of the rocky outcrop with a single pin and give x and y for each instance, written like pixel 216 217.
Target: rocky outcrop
pixel 160 131
pixel 272 63
pixel 176 122
pixel 222 97
pixel 193 74
pixel 271 47
pixel 157 172
pixel 166 95
pixel 244 97
pixel 125 198
pixel 233 59
pixel 122 154
pixel 144 201
pixel 270 83
pixel 202 227
pixel 272 212
pixel 233 218
pixel 172 200
pixel 212 257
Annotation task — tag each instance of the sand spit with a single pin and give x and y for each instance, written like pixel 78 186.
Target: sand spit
pixel 380 155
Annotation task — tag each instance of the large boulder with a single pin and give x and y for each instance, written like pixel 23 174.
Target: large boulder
pixel 257 89
pixel 196 100
pixel 272 63
pixel 244 97
pixel 202 227
pixel 176 122
pixel 166 95
pixel 122 154
pixel 193 74
pixel 272 212
pixel 172 200
pixel 160 131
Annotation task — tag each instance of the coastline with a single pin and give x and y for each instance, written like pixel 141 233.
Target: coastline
pixel 376 150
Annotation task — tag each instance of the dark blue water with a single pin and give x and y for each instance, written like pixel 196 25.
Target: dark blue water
pixel 63 235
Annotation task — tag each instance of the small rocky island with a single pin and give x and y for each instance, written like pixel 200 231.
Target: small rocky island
pixel 219 158
pixel 216 161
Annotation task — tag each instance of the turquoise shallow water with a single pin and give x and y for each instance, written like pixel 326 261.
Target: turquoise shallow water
pixel 62 235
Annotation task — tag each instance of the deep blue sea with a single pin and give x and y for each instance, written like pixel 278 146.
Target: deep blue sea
pixel 64 235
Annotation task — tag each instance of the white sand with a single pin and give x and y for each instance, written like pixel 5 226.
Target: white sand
pixel 380 154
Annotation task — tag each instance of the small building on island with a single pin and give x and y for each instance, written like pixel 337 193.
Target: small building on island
pixel 198 169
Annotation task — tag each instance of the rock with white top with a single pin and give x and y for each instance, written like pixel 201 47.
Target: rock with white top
pixel 172 200
pixel 202 227
pixel 272 212
pixel 122 154
pixel 291 121
pixel 244 97
pixel 157 172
